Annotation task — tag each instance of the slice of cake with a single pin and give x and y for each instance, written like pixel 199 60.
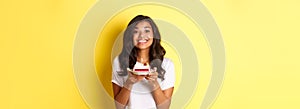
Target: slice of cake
pixel 141 68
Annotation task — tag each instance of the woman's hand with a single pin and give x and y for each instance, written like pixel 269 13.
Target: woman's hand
pixel 132 78
pixel 152 79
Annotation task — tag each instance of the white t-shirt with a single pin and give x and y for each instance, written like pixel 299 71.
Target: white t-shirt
pixel 140 96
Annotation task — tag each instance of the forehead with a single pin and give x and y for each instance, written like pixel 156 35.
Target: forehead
pixel 143 24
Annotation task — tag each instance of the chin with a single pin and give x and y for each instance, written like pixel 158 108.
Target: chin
pixel 143 48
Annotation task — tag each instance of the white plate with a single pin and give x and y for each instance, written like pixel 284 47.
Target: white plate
pixel 137 73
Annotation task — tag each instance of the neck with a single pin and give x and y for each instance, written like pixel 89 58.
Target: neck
pixel 143 55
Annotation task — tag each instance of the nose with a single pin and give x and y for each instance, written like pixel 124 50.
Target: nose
pixel 141 35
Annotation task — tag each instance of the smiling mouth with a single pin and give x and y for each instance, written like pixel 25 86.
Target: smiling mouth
pixel 142 41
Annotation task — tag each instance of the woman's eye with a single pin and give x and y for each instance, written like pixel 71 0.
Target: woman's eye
pixel 147 31
pixel 135 32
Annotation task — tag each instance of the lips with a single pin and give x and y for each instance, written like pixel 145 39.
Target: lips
pixel 142 41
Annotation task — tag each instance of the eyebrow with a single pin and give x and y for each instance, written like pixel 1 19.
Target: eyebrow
pixel 144 27
pixel 147 27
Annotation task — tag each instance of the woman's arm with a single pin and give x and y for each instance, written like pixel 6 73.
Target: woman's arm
pixel 122 94
pixel 162 98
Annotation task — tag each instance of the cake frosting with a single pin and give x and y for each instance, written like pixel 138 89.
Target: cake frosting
pixel 139 67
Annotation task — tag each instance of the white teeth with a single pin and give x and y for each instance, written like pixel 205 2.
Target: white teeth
pixel 142 41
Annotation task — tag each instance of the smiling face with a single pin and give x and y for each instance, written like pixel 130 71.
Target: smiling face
pixel 143 35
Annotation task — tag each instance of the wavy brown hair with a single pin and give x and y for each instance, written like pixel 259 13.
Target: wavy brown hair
pixel 128 56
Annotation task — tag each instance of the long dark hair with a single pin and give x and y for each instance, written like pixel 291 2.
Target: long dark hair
pixel 128 56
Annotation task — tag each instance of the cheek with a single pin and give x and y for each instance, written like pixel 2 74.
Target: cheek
pixel 134 39
pixel 151 41
pixel 150 34
pixel 135 36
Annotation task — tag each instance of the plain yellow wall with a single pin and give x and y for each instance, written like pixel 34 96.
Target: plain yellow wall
pixel 261 40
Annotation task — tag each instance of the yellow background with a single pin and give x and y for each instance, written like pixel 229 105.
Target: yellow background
pixel 261 40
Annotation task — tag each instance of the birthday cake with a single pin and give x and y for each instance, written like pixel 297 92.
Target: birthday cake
pixel 140 69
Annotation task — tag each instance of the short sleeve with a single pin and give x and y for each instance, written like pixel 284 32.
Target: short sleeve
pixel 169 80
pixel 115 77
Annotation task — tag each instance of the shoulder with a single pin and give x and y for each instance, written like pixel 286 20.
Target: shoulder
pixel 167 63
pixel 115 63
pixel 116 60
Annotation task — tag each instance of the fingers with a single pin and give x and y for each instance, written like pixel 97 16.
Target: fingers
pixel 130 74
pixel 132 78
pixel 137 77
pixel 155 68
pixel 152 76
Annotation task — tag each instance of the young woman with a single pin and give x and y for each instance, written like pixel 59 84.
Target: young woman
pixel 141 45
